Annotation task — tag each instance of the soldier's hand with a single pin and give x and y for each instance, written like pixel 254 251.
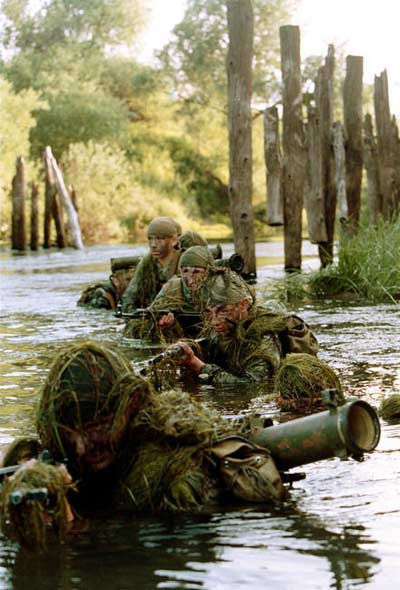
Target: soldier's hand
pixel 187 358
pixel 166 321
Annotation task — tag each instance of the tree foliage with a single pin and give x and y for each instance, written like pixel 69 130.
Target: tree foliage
pixel 195 58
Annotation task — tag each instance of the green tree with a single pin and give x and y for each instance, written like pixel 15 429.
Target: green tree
pixel 195 58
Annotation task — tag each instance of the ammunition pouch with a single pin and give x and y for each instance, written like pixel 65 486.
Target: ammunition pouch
pixel 248 471
pixel 298 337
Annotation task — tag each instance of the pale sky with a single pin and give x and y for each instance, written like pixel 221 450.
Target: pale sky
pixel 369 28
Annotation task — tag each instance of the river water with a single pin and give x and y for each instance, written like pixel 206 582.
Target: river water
pixel 340 528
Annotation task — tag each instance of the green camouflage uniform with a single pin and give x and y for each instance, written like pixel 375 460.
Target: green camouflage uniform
pixel 100 295
pixel 149 277
pixel 252 353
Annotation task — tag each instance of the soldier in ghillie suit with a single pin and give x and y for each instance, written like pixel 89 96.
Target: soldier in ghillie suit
pixel 130 448
pixel 179 296
pixel 156 267
pixel 245 343
pixel 101 295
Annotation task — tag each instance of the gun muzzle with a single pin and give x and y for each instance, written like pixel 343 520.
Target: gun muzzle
pixel 347 430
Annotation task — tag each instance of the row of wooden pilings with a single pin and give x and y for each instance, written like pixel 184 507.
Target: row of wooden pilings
pixel 57 198
pixel 321 162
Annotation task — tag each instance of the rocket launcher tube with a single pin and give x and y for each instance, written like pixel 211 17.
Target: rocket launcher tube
pixel 344 430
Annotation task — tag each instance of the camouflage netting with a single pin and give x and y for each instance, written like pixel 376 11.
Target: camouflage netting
pixel 170 470
pixel 300 380
pixel 80 388
pixel 26 522
pixel 146 328
pixel 390 408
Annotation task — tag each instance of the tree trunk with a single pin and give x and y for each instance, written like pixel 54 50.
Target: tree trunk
pixel 34 244
pixel 239 62
pixel 273 165
pixel 340 176
pixel 374 196
pixel 352 110
pixel 67 203
pixel 384 140
pixel 324 103
pixel 313 196
pixel 396 166
pixel 294 156
pixel 18 239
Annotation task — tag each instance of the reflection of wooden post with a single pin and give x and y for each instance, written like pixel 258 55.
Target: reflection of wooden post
pixel 313 200
pixel 384 140
pixel 239 61
pixel 374 196
pixel 18 240
pixel 34 244
pixel 324 104
pixel 273 165
pixel 352 111
pixel 293 145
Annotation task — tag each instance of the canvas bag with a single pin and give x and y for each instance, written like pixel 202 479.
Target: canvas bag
pixel 248 471
pixel 298 337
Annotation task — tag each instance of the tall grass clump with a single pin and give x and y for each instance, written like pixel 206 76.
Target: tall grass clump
pixel 367 269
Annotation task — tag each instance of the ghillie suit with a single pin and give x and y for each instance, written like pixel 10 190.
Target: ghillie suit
pixel 171 453
pixel 253 349
pixel 390 408
pixel 299 383
pixel 101 295
pixel 147 282
pixel 174 296
pixel 191 238
pixel 21 450
pixel 27 520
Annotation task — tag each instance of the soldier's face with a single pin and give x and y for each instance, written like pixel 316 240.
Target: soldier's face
pixel 223 318
pixel 161 247
pixel 193 276
pixel 91 445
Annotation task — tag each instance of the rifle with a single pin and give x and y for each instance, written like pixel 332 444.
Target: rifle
pixel 174 351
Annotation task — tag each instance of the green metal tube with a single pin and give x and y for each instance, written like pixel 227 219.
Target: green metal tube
pixel 347 430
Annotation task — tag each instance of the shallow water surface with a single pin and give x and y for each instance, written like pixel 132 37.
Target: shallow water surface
pixel 338 530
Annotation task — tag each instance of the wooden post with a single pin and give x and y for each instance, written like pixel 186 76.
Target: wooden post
pixel 273 166
pixel 384 141
pixel 18 239
pixel 324 105
pixel 239 62
pixel 294 156
pixel 395 166
pixel 353 121
pixel 374 195
pixel 313 195
pixel 340 176
pixel 34 243
pixel 74 197
pixel 66 200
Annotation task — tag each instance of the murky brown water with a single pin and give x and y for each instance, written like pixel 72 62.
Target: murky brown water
pixel 340 528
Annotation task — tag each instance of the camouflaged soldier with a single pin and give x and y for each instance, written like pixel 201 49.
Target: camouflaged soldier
pixel 156 267
pixel 246 342
pixel 129 448
pixel 183 293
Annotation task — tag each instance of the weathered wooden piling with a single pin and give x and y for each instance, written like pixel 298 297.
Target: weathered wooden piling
pixel 239 62
pixel 294 156
pixel 34 241
pixel 273 167
pixel 18 238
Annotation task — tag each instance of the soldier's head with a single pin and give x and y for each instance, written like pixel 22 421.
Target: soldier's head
pixel 191 238
pixel 194 265
pixel 162 235
pixel 85 406
pixel 228 301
